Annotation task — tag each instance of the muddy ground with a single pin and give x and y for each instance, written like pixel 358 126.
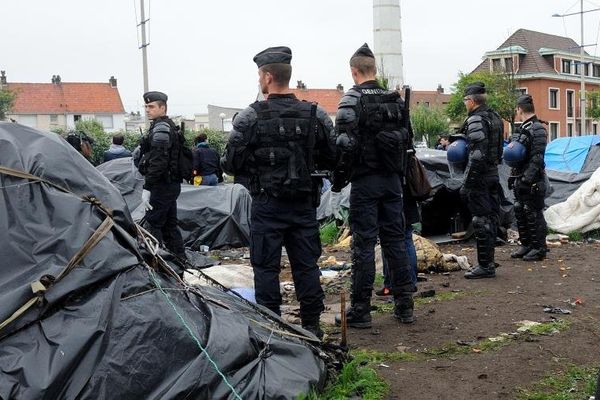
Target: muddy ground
pixel 487 308
pixel 466 311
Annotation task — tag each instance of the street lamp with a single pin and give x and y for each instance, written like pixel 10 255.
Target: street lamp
pixel 582 104
pixel 222 116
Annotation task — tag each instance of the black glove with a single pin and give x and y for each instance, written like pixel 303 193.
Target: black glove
pixel 511 182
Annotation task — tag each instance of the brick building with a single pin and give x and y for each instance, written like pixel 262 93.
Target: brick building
pixel 548 68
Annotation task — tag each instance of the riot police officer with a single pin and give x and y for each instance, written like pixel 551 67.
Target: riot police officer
pixel 373 134
pixel 483 130
pixel 277 143
pixel 525 154
pixel 162 181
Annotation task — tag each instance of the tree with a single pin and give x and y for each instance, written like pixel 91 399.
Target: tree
pixel 7 101
pixel 593 104
pixel 428 122
pixel 501 94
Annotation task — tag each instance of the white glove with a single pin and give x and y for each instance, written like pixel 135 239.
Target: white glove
pixel 146 200
pixel 335 200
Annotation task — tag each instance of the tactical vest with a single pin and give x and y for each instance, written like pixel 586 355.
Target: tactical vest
pixel 383 136
pixel 495 136
pixel 283 144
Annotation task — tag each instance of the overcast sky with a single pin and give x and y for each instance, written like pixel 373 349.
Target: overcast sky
pixel 201 51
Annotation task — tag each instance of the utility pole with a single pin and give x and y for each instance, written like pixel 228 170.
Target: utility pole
pixel 144 45
pixel 582 95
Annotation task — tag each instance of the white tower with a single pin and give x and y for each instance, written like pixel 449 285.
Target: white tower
pixel 387 37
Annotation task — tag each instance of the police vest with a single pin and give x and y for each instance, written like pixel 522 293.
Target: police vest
pixel 284 140
pixel 382 133
pixel 495 136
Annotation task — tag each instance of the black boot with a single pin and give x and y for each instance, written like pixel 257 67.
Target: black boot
pixel 485 236
pixel 357 316
pixel 403 308
pixel 314 328
pixel 478 272
pixel 520 252
pixel 535 255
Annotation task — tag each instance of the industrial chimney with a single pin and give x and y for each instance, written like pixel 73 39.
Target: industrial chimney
pixel 387 37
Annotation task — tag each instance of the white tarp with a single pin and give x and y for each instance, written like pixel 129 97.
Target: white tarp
pixel 580 212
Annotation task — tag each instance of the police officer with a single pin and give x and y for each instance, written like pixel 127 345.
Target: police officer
pixel 162 183
pixel 525 154
pixel 372 139
pixel 483 130
pixel 277 143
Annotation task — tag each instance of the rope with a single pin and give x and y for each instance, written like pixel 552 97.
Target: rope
pixel 191 333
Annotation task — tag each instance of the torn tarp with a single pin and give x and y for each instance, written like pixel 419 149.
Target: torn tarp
pixel 213 216
pixel 102 323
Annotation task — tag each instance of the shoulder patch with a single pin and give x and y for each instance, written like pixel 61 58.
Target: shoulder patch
pixel 350 99
pixel 245 119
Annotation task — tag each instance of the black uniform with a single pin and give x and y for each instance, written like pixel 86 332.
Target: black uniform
pixel 159 165
pixel 529 185
pixel 277 143
pixel 371 153
pixel 484 131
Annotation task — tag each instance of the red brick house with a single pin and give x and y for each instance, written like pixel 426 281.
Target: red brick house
pixel 60 104
pixel 548 68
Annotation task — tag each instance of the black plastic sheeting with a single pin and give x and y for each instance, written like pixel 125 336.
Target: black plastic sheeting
pixel 444 212
pixel 213 216
pixel 113 328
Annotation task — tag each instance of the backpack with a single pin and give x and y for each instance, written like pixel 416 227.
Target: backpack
pixel 180 157
pixel 283 149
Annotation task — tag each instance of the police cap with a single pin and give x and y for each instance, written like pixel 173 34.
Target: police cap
pixel 524 99
pixel 273 55
pixel 475 88
pixel 363 51
pixel 149 97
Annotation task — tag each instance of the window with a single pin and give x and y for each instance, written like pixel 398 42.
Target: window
pixel 553 130
pixel 508 64
pixel 105 120
pixel 577 68
pixel 596 71
pixel 570 129
pixel 76 118
pixel 54 119
pixel 521 91
pixel 427 104
pixel 587 69
pixel 553 98
pixel 570 103
pixel 496 64
pixel 28 120
pixel 566 66
pixel 595 129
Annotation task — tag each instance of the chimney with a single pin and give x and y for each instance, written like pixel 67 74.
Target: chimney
pixel 300 85
pixel 56 79
pixel 53 78
pixel 2 79
pixel 440 88
pixel 113 82
pixel 340 87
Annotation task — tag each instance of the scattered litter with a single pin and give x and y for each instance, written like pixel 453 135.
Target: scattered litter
pixel 501 338
pixel 525 326
pixel 476 350
pixel 402 349
pixel 556 310
pixel 384 365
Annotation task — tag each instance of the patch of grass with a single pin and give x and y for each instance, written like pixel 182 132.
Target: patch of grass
pixel 355 380
pixel 378 280
pixel 575 236
pixel 419 301
pixel 574 383
pixel 374 356
pixel 549 328
pixel 328 233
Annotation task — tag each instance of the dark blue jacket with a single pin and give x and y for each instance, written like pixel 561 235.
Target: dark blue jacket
pixel 115 152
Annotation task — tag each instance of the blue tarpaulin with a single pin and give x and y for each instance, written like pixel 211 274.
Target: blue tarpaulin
pixel 569 154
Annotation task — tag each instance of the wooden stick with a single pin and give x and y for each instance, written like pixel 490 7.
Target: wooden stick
pixel 343 311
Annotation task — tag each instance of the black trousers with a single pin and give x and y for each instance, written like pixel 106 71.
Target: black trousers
pixel 161 221
pixel 376 210
pixel 529 206
pixel 293 224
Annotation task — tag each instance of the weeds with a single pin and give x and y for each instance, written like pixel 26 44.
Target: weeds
pixel 328 233
pixel 355 380
pixel 573 383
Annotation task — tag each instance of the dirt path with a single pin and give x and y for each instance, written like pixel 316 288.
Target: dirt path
pixel 471 311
